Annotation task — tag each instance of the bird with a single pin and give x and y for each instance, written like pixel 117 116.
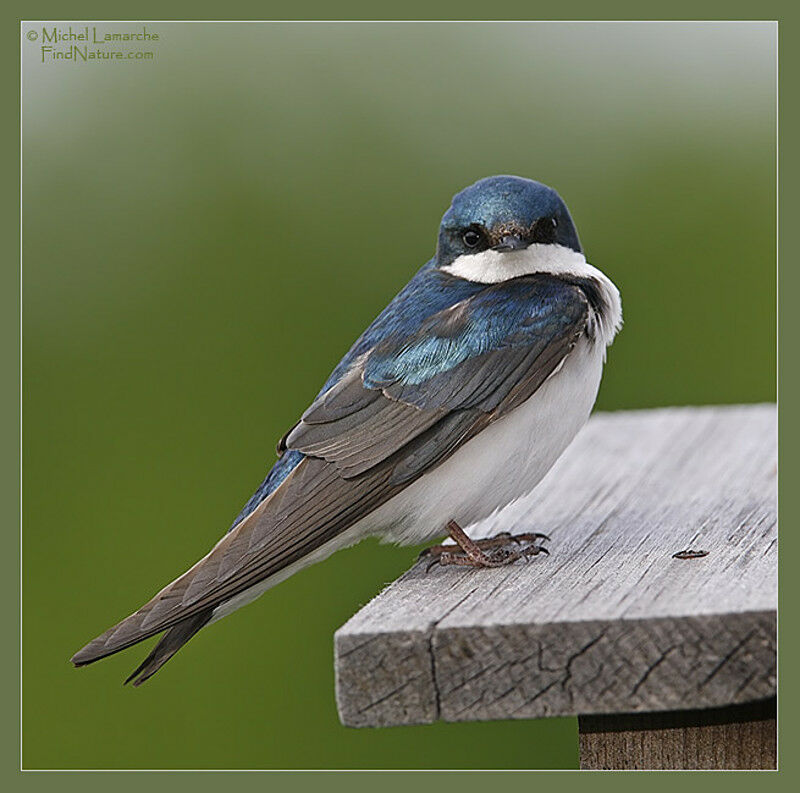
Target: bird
pixel 453 403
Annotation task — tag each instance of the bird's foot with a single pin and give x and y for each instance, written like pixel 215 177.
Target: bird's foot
pixel 472 553
pixel 495 559
pixel 498 541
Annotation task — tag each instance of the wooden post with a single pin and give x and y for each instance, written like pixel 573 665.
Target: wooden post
pixel 735 737
pixel 612 627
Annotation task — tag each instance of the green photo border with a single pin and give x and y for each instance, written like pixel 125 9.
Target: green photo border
pixel 388 782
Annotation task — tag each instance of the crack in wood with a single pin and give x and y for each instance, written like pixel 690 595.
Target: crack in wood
pixel 650 669
pixel 727 657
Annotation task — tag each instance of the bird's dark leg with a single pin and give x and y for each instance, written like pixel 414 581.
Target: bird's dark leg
pixel 473 554
pixel 498 541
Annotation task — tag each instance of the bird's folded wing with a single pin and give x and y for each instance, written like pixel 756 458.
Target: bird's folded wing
pixel 485 355
pixel 405 406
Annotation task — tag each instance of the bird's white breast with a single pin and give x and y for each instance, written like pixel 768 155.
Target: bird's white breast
pixel 512 455
pixel 505 462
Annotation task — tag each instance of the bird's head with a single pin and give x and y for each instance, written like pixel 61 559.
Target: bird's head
pixel 502 215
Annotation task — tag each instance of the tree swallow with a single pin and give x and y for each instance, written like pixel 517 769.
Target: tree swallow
pixel 453 403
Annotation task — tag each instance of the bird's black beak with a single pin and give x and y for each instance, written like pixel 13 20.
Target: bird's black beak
pixel 510 242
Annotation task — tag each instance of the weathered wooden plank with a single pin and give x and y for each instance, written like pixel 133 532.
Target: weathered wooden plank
pixel 734 737
pixel 610 622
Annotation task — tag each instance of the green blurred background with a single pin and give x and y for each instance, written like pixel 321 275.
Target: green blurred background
pixel 207 232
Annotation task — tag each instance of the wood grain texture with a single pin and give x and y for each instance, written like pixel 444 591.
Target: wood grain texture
pixel 609 622
pixel 734 737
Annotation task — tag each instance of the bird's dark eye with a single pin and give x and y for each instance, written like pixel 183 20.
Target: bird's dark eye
pixel 545 230
pixel 471 238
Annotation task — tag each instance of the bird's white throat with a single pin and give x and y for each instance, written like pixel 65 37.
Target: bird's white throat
pixel 494 267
